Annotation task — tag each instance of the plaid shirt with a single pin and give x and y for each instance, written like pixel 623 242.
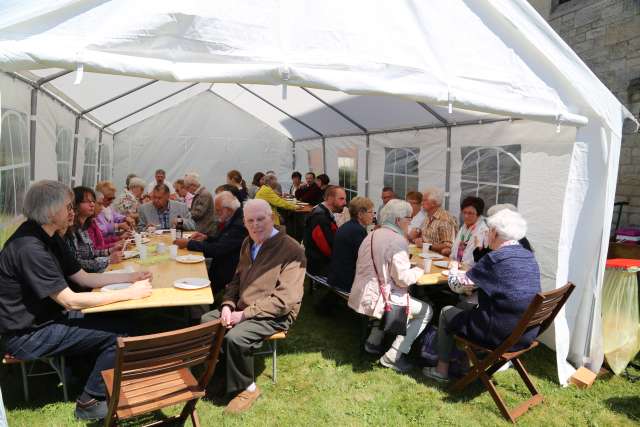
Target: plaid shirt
pixel 92 260
pixel 440 228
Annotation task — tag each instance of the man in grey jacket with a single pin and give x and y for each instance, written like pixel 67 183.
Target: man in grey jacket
pixel 202 211
pixel 163 213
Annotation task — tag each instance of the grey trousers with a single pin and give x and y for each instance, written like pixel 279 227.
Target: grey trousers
pixel 239 344
pixel 445 339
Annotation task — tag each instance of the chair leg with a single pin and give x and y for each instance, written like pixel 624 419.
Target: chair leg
pixel 63 379
pixel 194 418
pixel 25 383
pixel 274 361
pixel 525 376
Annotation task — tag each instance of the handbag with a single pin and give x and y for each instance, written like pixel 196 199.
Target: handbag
pixel 394 320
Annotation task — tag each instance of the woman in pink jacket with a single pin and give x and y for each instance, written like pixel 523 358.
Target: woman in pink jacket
pixel 388 248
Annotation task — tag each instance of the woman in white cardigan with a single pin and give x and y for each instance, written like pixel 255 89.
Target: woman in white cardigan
pixel 388 248
pixel 472 234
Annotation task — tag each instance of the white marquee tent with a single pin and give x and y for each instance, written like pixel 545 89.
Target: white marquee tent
pixel 476 97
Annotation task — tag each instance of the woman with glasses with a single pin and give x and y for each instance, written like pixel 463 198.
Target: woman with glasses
pixel 91 259
pixel 111 223
pixel 346 243
pixel 383 277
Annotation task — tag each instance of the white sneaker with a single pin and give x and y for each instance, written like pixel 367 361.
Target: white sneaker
pixel 400 364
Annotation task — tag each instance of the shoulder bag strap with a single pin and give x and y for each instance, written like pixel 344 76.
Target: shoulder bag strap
pixel 385 298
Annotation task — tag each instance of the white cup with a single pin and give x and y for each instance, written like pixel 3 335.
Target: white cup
pixel 173 251
pixel 427 265
pixel 144 251
pixel 426 247
pixel 173 234
pixel 161 248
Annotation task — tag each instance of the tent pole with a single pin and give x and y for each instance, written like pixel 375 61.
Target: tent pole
pixel 366 166
pixel 293 158
pixel 75 152
pixel 115 98
pixel 99 171
pixel 433 113
pixel 32 133
pixel 335 110
pixel 150 105
pixel 297 120
pixel 447 184
pixel 411 128
pixel 324 155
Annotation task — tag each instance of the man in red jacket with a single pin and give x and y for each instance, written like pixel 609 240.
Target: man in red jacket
pixel 320 228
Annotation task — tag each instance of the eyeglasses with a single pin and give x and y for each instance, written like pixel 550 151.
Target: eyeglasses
pixel 70 207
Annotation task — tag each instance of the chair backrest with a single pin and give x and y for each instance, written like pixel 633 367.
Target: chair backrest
pixel 541 312
pixel 155 354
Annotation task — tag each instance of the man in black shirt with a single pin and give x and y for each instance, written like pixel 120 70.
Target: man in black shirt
pixel 35 295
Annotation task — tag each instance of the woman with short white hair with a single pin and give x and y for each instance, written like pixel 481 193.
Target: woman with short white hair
pixel 383 277
pixel 506 280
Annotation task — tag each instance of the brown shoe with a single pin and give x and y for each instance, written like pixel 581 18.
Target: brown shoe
pixel 242 402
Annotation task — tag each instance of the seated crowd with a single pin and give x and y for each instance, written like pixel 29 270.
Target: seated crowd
pixel 256 269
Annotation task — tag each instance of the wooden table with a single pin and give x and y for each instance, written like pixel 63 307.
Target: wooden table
pixel 294 221
pixel 434 276
pixel 164 274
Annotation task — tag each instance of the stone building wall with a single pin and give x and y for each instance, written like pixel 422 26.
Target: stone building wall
pixel 606 35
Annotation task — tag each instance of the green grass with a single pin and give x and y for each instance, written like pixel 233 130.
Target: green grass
pixel 324 380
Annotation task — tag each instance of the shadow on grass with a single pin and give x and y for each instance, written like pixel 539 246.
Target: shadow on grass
pixel 626 405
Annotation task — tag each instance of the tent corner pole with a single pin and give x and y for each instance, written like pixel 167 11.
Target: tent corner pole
pixel 447 183
pixel 324 155
pixel 75 151
pixel 32 133
pixel 366 165
pixel 293 152
pixel 99 171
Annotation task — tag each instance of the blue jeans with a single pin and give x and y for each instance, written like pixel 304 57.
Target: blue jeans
pixel 93 336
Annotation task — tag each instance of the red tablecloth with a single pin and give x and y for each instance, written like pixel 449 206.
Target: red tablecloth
pixel 622 263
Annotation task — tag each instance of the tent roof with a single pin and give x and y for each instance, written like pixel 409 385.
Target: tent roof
pixel 507 62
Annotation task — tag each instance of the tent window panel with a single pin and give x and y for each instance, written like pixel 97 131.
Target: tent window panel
pixel 14 163
pixel 90 163
pixel 105 163
pixel 63 154
pixel 315 160
pixel 348 176
pixel 401 170
pixel 491 173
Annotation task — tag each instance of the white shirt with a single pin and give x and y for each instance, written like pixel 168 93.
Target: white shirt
pixel 153 184
pixel 418 220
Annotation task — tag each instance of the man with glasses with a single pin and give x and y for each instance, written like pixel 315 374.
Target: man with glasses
pixel 163 213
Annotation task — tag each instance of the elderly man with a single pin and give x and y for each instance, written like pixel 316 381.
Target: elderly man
pixel 309 192
pixel 320 229
pixel 386 195
pixel 224 246
pixel 160 178
pixel 263 298
pixel 163 213
pixel 201 205
pixel 40 282
pixel 440 227
pixel 269 194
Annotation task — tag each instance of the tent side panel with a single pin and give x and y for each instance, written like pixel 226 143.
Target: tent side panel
pixel 54 140
pixel 205 134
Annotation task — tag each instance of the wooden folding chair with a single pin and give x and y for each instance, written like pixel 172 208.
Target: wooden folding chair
pixel 543 309
pixel 152 372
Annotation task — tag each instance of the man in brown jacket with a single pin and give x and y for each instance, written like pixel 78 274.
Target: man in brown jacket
pixel 263 298
pixel 202 211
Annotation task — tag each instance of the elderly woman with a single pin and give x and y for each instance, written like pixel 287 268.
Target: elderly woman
pixel 472 234
pixel 258 181
pixel 346 243
pixel 268 193
pixel 94 232
pixel 384 254
pixel 91 259
pixel 506 279
pixel 111 222
pixel 127 203
pixel 36 272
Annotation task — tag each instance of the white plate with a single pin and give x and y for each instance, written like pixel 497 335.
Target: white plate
pixel 441 264
pixel 190 283
pixel 431 255
pixel 115 287
pixel 446 272
pixel 144 241
pixel 190 259
pixel 159 232
pixel 130 254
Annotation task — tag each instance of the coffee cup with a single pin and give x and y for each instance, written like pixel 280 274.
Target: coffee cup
pixel 173 251
pixel 174 233
pixel 427 265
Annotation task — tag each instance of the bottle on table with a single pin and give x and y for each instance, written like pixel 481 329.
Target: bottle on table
pixel 179 227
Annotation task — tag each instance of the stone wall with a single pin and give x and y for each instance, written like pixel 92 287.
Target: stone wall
pixel 606 35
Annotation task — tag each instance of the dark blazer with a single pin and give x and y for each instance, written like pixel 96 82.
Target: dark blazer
pixel 345 254
pixel 319 232
pixel 507 281
pixel 224 248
